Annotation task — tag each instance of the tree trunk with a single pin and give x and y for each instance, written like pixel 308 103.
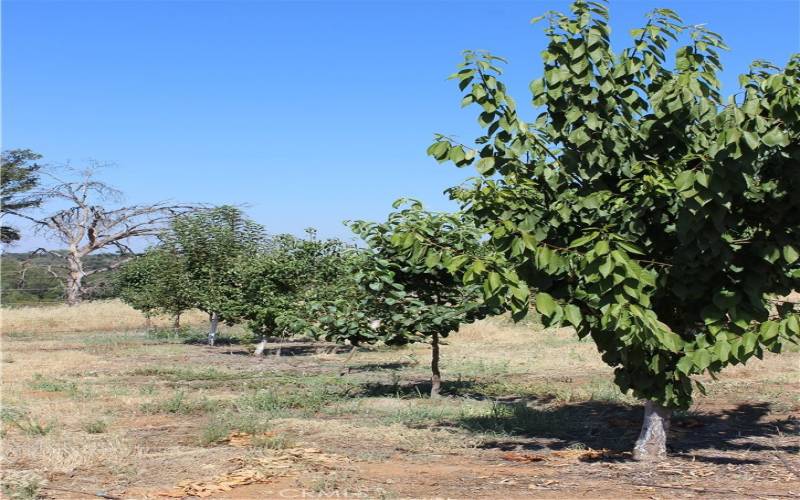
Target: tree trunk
pixel 652 443
pixel 212 332
pixel 436 377
pixel 346 369
pixel 75 276
pixel 260 347
pixel 176 322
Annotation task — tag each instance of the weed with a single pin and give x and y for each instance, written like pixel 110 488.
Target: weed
pixel 42 383
pixel 272 442
pixel 95 426
pixel 221 426
pixel 25 423
pixel 188 375
pixel 179 404
pixel 148 390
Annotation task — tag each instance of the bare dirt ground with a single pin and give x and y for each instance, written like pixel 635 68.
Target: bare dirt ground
pixel 527 413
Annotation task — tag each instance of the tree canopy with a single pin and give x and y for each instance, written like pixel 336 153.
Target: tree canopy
pixel 408 293
pixel 18 177
pixel 639 206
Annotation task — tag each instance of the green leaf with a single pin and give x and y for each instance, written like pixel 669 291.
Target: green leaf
pixel 790 254
pixel 584 239
pixel 545 304
pixel 495 281
pixel 606 267
pixel 775 137
pixel 573 314
pixel 701 359
pixel 432 259
pixel 485 165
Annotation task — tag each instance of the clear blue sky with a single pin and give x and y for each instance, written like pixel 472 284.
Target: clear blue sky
pixel 310 112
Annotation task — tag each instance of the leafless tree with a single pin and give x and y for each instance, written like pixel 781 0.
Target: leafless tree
pixel 86 223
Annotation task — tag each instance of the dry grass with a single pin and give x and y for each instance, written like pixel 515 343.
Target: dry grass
pixel 131 414
pixel 106 315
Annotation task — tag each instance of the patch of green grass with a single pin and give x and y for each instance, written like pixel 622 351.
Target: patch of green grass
pixel 23 422
pixel 516 419
pixel 95 426
pixel 148 390
pixel 308 394
pixel 46 384
pixel 481 368
pixel 190 375
pixel 180 404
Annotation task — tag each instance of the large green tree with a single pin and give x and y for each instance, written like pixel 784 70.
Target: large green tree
pixel 639 206
pixel 18 177
pixel 405 296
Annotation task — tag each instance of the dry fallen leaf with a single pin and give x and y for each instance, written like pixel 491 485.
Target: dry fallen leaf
pixel 243 439
pixel 513 456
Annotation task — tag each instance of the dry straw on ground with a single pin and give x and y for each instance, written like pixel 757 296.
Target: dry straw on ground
pixel 106 315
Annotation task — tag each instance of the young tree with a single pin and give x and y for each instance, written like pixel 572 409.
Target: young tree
pixel 156 282
pixel 86 226
pixel 405 296
pixel 278 285
pixel 211 242
pixel 18 176
pixel 639 206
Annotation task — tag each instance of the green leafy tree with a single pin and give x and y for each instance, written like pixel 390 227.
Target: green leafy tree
pixel 156 282
pixel 409 293
pixel 639 206
pixel 278 285
pixel 210 243
pixel 18 176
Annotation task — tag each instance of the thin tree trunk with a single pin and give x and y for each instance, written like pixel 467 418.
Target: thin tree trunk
pixel 652 443
pixel 436 377
pixel 176 322
pixel 212 332
pixel 346 369
pixel 260 347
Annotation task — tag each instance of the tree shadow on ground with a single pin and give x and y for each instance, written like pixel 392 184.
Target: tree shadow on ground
pixel 420 388
pixel 374 367
pixel 218 342
pixel 615 426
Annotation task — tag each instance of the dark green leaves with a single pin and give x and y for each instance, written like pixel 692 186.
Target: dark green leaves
pixel 637 207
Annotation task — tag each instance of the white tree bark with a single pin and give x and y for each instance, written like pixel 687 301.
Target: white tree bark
pixel 652 443
pixel 212 331
pixel 75 274
pixel 260 347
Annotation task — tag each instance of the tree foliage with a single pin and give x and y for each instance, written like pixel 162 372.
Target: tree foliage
pixel 409 292
pixel 639 206
pixel 155 282
pixel 18 176
pixel 278 285
pixel 210 243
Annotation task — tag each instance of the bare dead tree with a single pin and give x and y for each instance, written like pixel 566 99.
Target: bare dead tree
pixel 85 224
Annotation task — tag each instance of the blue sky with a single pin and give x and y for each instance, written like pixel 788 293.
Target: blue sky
pixel 309 112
